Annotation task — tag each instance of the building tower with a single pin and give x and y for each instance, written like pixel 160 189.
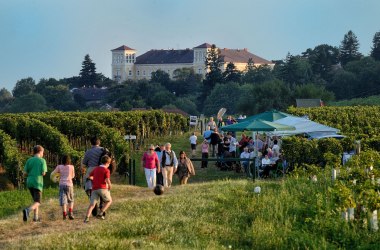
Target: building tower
pixel 123 59
pixel 200 55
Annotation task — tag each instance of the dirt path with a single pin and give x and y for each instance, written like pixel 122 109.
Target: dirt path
pixel 14 229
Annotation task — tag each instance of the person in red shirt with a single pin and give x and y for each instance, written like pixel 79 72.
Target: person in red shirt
pixel 101 186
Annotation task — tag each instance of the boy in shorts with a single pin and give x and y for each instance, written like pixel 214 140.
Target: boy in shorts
pixel 35 168
pixel 101 186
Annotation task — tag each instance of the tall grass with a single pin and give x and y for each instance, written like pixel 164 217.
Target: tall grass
pixel 291 214
pixel 225 213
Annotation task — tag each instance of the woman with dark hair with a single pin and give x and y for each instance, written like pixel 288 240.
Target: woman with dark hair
pixel 185 168
pixel 66 189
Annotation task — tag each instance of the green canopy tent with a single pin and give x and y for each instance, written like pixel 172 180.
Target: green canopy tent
pixel 271 116
pixel 257 125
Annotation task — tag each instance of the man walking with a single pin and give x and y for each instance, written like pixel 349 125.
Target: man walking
pixel 90 161
pixel 169 164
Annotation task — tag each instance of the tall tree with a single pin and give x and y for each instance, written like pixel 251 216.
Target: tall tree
pixel 257 98
pixel 32 102
pixel 311 90
pixel 349 48
pixel 5 97
pixel 231 74
pixel 259 74
pixel 375 52
pixel 160 76
pixel 322 59
pixel 88 72
pixel 222 95
pixel 24 87
pixel 213 66
pixel 295 71
pixel 250 65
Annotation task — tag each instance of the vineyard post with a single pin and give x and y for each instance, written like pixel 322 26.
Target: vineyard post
pixel 130 171
pixel 134 172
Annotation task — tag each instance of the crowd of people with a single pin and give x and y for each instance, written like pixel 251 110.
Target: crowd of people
pixel 159 164
pixel 263 152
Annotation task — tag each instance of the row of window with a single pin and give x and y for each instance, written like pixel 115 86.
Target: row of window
pixel 119 58
pixel 200 71
pixel 200 56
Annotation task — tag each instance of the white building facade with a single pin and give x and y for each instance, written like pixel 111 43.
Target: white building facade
pixel 127 66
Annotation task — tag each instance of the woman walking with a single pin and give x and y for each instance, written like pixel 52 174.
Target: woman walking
pixel 185 168
pixel 150 165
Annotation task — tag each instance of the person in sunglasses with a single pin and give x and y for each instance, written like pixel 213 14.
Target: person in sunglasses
pixel 150 165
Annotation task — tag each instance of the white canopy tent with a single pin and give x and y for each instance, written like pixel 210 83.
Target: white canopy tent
pixel 303 125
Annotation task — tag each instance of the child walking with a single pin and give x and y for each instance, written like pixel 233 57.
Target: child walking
pixel 66 188
pixel 205 147
pixel 35 168
pixel 101 186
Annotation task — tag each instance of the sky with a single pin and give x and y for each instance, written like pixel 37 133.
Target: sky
pixel 49 38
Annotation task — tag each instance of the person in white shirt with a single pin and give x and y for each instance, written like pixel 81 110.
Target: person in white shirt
pixel 265 161
pixel 193 143
pixel 275 149
pixel 266 165
pixel 246 155
pixel 233 143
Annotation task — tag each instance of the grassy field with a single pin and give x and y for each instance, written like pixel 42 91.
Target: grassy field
pixel 367 101
pixel 223 213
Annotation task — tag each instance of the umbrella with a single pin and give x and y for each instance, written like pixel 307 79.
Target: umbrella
pixel 257 125
pixel 221 112
pixel 271 116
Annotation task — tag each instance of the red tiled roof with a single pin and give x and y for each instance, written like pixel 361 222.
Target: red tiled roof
pixel 203 45
pixel 123 48
pixel 241 56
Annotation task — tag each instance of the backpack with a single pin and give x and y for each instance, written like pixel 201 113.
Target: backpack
pixel 112 166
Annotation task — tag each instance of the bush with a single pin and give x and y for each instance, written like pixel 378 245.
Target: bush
pixel 5 184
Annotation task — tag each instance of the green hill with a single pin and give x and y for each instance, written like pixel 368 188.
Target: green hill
pixel 368 101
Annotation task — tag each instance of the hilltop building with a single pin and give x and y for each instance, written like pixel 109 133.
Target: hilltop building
pixel 127 66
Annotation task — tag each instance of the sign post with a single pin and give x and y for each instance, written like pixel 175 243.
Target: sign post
pixel 132 173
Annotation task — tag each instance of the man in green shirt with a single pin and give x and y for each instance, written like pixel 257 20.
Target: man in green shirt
pixel 35 168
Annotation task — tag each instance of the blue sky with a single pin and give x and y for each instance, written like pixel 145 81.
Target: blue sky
pixel 49 38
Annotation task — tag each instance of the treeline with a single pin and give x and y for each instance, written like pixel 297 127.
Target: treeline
pixel 324 72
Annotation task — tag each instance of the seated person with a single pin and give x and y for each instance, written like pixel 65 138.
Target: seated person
pixel 265 161
pixel 266 165
pixel 246 155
